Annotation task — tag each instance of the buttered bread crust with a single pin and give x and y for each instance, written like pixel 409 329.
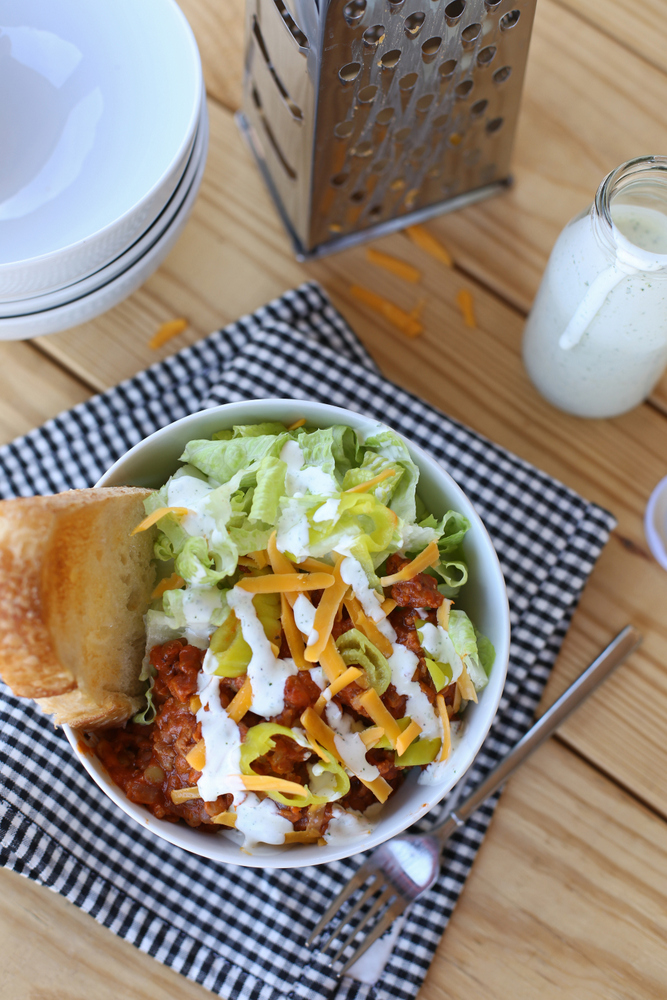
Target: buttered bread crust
pixel 74 587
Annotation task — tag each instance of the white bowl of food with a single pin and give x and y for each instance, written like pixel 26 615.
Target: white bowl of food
pixel 101 111
pixel 312 689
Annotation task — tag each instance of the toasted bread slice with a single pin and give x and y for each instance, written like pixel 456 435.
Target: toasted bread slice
pixel 74 587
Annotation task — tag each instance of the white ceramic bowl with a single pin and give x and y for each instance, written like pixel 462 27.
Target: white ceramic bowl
pixel 70 293
pixel 152 461
pixel 100 108
pixel 154 250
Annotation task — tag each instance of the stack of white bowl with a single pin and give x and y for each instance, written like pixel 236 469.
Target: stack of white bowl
pixel 104 140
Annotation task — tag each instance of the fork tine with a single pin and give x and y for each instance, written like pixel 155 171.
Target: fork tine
pixel 395 910
pixel 389 891
pixel 370 891
pixel 355 882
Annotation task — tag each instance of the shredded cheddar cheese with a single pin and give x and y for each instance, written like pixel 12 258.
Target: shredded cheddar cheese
pixel 341 681
pixel 315 565
pixel 283 583
pixel 370 701
pixel 423 239
pixel 429 557
pixel 173 582
pixel 407 323
pixel 331 661
pixel 400 268
pixel 292 634
pixel 267 783
pixel 370 483
pixel 224 819
pixel 326 612
pixel 164 333
pixel 442 613
pixel 318 730
pixel 181 795
pixel 446 729
pixel 240 703
pixel 388 606
pixel 197 756
pixel 153 518
pixel 465 303
pixel 465 685
pixel 407 737
pixel 297 424
pixel 371 736
pixel 368 627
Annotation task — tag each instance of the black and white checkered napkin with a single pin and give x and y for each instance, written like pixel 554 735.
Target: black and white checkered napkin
pixel 240 931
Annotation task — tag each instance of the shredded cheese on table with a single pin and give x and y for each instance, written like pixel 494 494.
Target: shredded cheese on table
pixel 464 301
pixel 400 268
pixel 423 239
pixel 407 323
pixel 167 331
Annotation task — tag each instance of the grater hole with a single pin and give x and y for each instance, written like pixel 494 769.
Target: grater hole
pixel 494 125
pixel 349 72
pixel 431 45
pixel 509 20
pixel 502 74
pixel 478 108
pixel 470 34
pixel 434 173
pixel 374 211
pixel 390 59
pixel 413 24
pixel 364 148
pixel 411 197
pixel 367 94
pixel 402 134
pixel 440 121
pixel 424 102
pixel 463 89
pixel 374 35
pixel 408 81
pixel 492 4
pixel 339 180
pixel 357 196
pixel 455 139
pixel 385 116
pixel 394 5
pixel 354 11
pixel 398 184
pixel 344 130
pixel 447 69
pixel 293 28
pixel 485 56
pixel 454 10
pixel 380 166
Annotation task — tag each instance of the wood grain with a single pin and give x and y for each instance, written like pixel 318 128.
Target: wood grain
pixel 566 897
pixel 33 389
pixel 218 28
pixel 641 27
pixel 54 951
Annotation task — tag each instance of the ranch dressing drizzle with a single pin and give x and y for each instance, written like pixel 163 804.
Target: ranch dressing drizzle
pixel 300 480
pixel 267 673
pixel 403 663
pixel 304 618
pixel 222 739
pixel 193 493
pixel 353 573
pixel 346 825
pixel 260 822
pixel 349 744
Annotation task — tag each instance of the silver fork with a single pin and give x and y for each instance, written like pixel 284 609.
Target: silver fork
pixel 403 869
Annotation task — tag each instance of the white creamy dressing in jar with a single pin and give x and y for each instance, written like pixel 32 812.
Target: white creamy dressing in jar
pixel 266 671
pixel 403 663
pixel 222 739
pixel 605 359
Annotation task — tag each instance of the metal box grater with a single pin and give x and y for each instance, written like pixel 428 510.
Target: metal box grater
pixel 369 115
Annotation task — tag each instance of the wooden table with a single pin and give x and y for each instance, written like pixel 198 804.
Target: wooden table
pixel 568 894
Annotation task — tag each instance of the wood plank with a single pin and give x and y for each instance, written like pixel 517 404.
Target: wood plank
pixel 51 949
pixel 566 897
pixel 218 28
pixel 33 389
pixel 641 27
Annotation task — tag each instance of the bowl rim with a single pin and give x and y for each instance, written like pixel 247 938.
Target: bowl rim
pixel 174 168
pixel 297 855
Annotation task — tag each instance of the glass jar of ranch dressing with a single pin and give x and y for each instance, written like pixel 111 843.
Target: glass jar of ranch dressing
pixel 595 343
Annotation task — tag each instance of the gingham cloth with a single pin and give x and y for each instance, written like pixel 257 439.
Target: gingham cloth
pixel 241 932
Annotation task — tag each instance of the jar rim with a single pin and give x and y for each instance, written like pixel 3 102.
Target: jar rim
pixel 613 184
